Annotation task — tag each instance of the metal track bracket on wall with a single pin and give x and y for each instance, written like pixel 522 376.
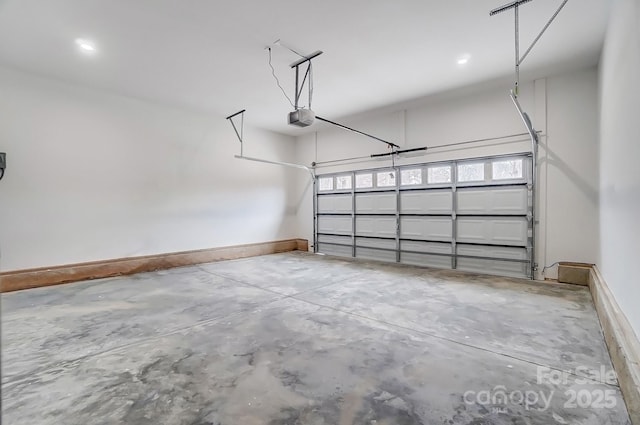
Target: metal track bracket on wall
pixel 533 134
pixel 515 5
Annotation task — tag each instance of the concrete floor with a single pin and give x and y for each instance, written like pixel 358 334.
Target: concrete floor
pixel 303 339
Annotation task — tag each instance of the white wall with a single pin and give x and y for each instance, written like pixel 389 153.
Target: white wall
pixel 619 156
pixel 564 107
pixel 94 176
pixel 569 164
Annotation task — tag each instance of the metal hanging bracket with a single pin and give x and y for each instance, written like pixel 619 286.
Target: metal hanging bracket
pixel 518 59
pixel 308 73
pixel 240 135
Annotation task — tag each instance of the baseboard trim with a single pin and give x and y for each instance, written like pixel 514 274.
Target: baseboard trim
pixel 622 342
pixel 303 245
pixel 574 273
pixel 47 276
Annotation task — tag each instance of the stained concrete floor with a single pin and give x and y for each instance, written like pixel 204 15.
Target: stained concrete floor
pixel 298 338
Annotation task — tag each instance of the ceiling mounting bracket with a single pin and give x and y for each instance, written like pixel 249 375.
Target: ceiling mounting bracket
pixel 515 5
pixel 240 133
pixel 308 73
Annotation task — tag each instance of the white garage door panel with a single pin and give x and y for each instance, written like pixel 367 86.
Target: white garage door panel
pixel 424 202
pixel 342 251
pixel 493 251
pixel 376 226
pixel 429 228
pixel 493 201
pixel 376 203
pixel 437 261
pixel 500 231
pixel 505 268
pixel 439 248
pixel 334 204
pixel 473 225
pixel 376 243
pixel 346 240
pixel 376 254
pixel 340 225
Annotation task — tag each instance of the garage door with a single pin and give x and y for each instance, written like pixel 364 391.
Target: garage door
pixel 472 215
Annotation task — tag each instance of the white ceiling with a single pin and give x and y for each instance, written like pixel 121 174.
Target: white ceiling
pixel 209 55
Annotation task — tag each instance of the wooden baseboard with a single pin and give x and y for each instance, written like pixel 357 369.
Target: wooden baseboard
pixel 303 245
pixel 48 276
pixel 622 343
pixel 575 273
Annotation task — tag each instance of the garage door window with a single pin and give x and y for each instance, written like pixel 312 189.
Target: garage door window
pixel 437 175
pixel 411 177
pixel 343 182
pixel 325 183
pixel 507 169
pixel 364 181
pixel 471 172
pixel 386 178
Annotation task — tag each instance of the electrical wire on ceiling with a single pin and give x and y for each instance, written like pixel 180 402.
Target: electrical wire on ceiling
pixel 273 72
pixel 309 74
pixel 279 42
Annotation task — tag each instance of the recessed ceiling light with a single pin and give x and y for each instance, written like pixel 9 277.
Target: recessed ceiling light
pixel 462 60
pixel 85 46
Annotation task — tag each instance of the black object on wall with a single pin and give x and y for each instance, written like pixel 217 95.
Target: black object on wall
pixel 3 164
